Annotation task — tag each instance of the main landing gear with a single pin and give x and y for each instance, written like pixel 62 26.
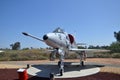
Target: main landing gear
pixel 83 56
pixel 61 58
pixel 61 63
pixel 61 68
pixel 82 63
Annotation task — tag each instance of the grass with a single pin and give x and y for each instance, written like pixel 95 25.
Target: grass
pixel 110 70
pixel 41 54
pixel 106 55
pixel 33 54
pixel 19 55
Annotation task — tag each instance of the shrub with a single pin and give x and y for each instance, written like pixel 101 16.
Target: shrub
pixel 102 55
pixel 72 56
pixel 15 55
pixel 116 55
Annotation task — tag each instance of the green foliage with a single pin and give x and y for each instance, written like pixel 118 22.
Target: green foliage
pixel 25 49
pixel 3 56
pixel 94 47
pixel 106 55
pixel 31 54
pixel 115 47
pixel 37 54
pixel 15 46
pixel 81 47
pixel 116 55
pixel 72 56
pixel 117 36
pixel 98 47
pixel 102 55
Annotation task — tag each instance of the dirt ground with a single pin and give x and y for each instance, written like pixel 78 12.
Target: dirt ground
pixel 11 74
pixel 8 70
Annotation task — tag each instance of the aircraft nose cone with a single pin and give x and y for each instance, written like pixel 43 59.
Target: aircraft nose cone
pixel 45 37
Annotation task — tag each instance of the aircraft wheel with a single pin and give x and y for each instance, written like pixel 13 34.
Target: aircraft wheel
pixel 51 76
pixel 61 72
pixel 59 63
pixel 82 63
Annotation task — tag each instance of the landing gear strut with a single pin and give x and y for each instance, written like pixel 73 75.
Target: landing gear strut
pixel 82 57
pixel 61 72
pixel 61 63
pixel 61 67
pixel 82 63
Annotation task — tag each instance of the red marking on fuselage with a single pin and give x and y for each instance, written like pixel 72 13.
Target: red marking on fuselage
pixel 71 38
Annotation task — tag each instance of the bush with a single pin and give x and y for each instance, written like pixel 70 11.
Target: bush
pixel 36 54
pixel 102 55
pixel 107 55
pixel 115 47
pixel 72 56
pixel 116 55
pixel 2 54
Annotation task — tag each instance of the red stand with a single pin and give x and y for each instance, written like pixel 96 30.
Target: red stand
pixel 22 74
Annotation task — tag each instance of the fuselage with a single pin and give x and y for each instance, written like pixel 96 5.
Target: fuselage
pixel 57 40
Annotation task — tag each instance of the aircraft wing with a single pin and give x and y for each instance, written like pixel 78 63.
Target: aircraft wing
pixel 89 50
pixel 26 34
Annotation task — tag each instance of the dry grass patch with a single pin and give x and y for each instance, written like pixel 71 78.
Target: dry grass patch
pixel 6 66
pixel 115 70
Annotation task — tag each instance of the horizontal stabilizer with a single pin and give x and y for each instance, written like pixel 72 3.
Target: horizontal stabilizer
pixel 89 50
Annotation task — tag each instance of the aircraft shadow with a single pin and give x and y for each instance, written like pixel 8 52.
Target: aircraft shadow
pixel 46 69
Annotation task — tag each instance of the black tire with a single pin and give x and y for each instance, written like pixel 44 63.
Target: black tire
pixel 82 63
pixel 61 72
pixel 51 75
pixel 59 63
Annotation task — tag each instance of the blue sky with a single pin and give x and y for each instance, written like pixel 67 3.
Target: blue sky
pixel 91 21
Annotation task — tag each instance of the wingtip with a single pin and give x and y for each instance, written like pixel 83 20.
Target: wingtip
pixel 24 33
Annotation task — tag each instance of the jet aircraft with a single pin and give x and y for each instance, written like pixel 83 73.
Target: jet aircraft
pixel 62 43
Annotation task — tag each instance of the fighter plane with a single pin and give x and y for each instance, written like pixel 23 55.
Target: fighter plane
pixel 62 43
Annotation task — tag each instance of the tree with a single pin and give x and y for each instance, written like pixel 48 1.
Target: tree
pixel 94 47
pixel 81 47
pixel 15 46
pixel 117 36
pixel 115 47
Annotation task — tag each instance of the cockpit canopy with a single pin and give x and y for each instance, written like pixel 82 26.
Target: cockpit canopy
pixel 58 30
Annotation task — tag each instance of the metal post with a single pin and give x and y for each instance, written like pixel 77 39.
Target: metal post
pixel 28 66
pixel 52 76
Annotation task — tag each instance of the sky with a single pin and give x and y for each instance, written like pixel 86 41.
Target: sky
pixel 91 21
